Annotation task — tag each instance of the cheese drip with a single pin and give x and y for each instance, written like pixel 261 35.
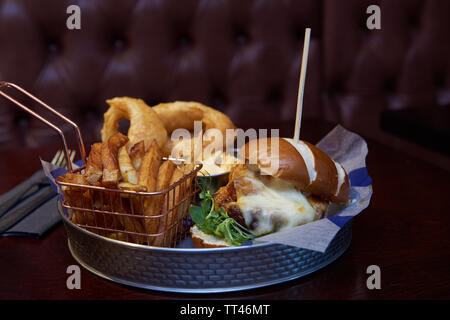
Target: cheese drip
pixel 307 155
pixel 274 206
pixel 341 176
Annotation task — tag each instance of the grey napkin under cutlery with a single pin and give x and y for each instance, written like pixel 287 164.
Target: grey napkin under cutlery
pixel 21 201
pixel 10 198
pixel 36 223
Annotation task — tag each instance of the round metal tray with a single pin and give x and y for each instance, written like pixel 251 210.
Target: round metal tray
pixel 193 270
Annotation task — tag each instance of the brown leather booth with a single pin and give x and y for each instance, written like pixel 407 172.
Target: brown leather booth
pixel 240 56
pixel 405 64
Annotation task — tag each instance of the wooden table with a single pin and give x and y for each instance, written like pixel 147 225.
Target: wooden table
pixel 428 127
pixel 405 231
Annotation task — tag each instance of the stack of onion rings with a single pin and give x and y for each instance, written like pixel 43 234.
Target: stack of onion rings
pixel 160 121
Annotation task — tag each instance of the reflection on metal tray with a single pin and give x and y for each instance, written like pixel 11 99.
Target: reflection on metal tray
pixel 197 270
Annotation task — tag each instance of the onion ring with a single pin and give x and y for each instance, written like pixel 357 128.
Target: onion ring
pixel 182 114
pixel 145 124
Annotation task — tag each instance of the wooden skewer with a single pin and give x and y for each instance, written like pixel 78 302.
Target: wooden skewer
pixel 301 85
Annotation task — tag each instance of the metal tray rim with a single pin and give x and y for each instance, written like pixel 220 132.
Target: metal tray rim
pixel 174 253
pixel 208 290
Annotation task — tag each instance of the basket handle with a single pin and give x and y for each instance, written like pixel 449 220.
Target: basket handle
pixel 48 123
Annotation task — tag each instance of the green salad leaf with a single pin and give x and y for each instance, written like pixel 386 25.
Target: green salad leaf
pixel 217 223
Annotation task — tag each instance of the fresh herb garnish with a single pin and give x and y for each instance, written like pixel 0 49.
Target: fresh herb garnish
pixel 217 223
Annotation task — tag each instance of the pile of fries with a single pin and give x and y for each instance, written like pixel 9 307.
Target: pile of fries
pixel 110 196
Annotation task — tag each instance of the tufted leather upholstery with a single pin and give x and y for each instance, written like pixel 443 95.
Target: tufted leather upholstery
pixel 237 56
pixel 404 64
pixel 242 57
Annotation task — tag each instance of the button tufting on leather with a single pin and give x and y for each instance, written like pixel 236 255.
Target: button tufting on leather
pixel 119 43
pixel 299 35
pixel 363 24
pixel 344 57
pixel 275 95
pixel 413 21
pixel 439 80
pixel 389 85
pixel 53 46
pixel 21 119
pixel 336 87
pixel 184 41
pixel 241 37
pixel 89 113
pixel 218 99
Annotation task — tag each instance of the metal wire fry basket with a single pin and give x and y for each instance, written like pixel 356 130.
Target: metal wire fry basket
pixel 122 214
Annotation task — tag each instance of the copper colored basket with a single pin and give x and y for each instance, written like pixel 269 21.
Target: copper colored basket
pixel 121 214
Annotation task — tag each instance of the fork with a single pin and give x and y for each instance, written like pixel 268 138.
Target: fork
pixel 10 198
pixel 59 159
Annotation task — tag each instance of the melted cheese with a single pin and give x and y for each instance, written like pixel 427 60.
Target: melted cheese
pixel 307 155
pixel 276 205
pixel 341 176
pixel 218 163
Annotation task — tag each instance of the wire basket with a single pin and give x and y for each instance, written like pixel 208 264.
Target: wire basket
pixel 123 215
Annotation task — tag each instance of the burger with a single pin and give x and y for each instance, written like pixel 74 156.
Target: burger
pixel 262 198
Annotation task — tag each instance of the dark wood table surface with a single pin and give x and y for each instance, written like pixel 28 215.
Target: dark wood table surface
pixel 405 231
pixel 428 127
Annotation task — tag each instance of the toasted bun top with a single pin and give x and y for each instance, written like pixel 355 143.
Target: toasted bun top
pixel 310 169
